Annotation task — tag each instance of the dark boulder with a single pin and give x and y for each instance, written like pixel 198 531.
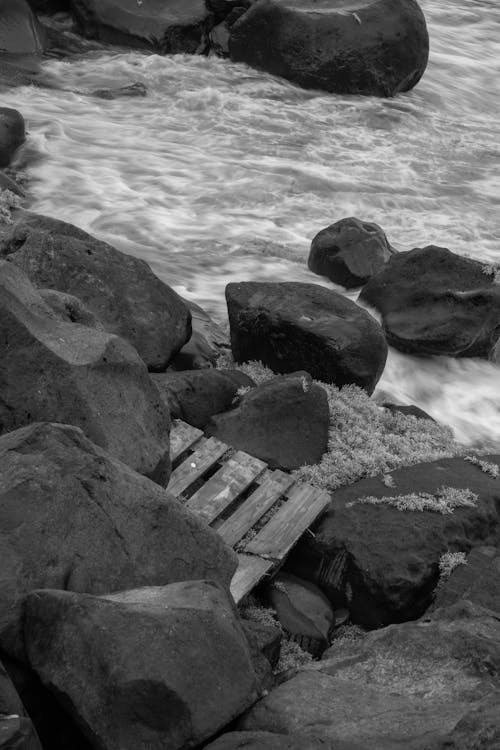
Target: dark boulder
pixel 196 395
pixel 376 47
pixel 16 729
pixel 167 27
pixel 283 422
pixel 434 302
pixel 7 183
pixel 70 308
pixel 74 518
pixel 20 32
pixel 384 562
pixel 55 371
pixel 121 291
pixel 276 741
pixel 349 252
pixel 156 668
pixel 50 6
pixel 207 341
pixel 12 134
pixel 133 90
pixel 477 581
pixel 399 688
pixel 293 326
pixel 408 410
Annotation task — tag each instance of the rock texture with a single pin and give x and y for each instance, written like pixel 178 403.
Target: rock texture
pixel 167 27
pixel 376 47
pixel 276 741
pixel 20 32
pixel 433 301
pixel 400 687
pixel 293 326
pixel 51 370
pixel 89 524
pixel 70 308
pixel 349 252
pixel 477 581
pixel 283 422
pixel 12 134
pixel 205 344
pixel 16 730
pixel 196 395
pixel 383 562
pixel 160 668
pixel 121 291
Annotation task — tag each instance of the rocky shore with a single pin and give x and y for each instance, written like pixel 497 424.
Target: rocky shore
pixel 117 627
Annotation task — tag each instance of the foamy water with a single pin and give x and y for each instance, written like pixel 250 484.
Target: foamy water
pixel 223 173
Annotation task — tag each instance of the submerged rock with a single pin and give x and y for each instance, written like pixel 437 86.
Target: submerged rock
pixel 12 134
pixel 293 326
pixel 121 291
pixel 384 562
pixel 404 686
pixel 435 302
pixel 75 518
pixel 283 422
pixel 167 27
pixel 349 252
pixel 162 667
pixel 376 47
pixel 55 371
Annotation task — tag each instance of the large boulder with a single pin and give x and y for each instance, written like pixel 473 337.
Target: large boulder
pixel 12 134
pixel 55 371
pixel 277 741
pixel 121 291
pixel 400 687
pixel 383 562
pixel 155 668
pixel 16 729
pixel 20 32
pixel 349 252
pixel 376 47
pixel 434 301
pixel 478 580
pixel 284 422
pixel 74 518
pixel 166 26
pixel 196 395
pixel 50 6
pixel 206 343
pixel 294 326
pixel 70 308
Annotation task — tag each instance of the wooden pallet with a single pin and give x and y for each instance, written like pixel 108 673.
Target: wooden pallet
pixel 236 494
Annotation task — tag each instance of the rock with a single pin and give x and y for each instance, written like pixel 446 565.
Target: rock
pixel 121 291
pixel 349 252
pixel 408 409
pixel 20 32
pixel 170 28
pixel 70 308
pixel 275 741
pixel 375 47
pixel 293 326
pixel 133 89
pixel 384 562
pixel 399 687
pixel 477 581
pixel 162 667
pixel 196 395
pixel 16 71
pixel 434 302
pixel 50 6
pixel 54 371
pixel 205 344
pixel 284 422
pixel 478 730
pixel 303 610
pixel 89 524
pixel 266 637
pixel 16 730
pixel 12 134
pixel 7 183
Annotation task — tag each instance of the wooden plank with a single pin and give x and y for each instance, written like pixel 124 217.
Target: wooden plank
pixel 273 485
pixel 275 540
pixel 182 437
pixel 224 487
pixel 207 453
pixel 251 569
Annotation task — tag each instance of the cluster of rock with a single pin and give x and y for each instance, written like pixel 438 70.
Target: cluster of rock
pixel 377 47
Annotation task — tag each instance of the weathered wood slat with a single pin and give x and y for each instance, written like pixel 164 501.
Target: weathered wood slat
pixel 207 453
pixel 223 488
pixel 273 485
pixel 288 524
pixel 251 570
pixel 182 437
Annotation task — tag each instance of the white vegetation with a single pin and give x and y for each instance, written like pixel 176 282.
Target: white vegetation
pixel 448 562
pixel 444 501
pixel 486 466
pixel 8 201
